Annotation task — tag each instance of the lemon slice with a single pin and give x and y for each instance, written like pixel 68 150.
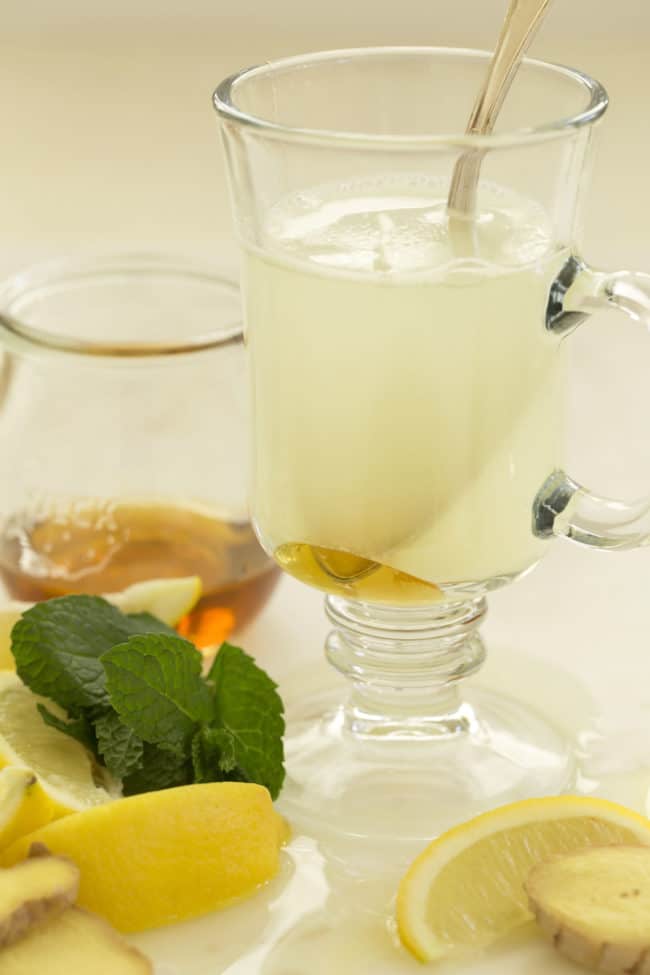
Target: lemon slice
pixel 10 613
pixel 466 889
pixel 167 599
pixel 165 856
pixel 24 806
pixel 63 768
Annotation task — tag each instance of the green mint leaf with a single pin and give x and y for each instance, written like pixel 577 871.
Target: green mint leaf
pixel 155 685
pixel 119 748
pixel 80 728
pixel 213 755
pixel 146 623
pixel 248 706
pixel 57 645
pixel 161 769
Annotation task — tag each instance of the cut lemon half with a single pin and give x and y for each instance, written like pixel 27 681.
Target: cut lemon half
pixel 466 889
pixel 66 778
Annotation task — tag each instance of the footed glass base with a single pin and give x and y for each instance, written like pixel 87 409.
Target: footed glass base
pixel 408 787
pixel 409 754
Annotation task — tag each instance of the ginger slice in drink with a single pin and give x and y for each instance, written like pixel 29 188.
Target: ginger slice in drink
pixel 343 566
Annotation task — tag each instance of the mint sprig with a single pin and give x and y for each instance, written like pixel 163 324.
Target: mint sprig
pixel 135 696
pixel 160 770
pixel 213 754
pixel 248 707
pixel 57 645
pixel 118 746
pixel 155 685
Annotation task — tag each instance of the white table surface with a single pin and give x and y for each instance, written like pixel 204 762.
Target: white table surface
pixel 109 143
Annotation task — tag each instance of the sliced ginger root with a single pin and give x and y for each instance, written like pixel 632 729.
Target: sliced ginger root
pixel 594 906
pixel 41 932
pixel 33 892
pixel 76 943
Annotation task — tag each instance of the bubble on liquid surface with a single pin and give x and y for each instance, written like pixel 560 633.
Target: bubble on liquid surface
pixel 399 224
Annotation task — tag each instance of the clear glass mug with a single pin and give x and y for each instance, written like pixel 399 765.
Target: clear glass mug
pixel 409 400
pixel 124 421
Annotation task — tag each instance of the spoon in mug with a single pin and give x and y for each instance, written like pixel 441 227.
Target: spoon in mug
pixel 519 27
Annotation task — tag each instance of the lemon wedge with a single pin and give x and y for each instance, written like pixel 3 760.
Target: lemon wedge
pixel 466 889
pixel 167 599
pixel 165 856
pixel 24 806
pixel 62 767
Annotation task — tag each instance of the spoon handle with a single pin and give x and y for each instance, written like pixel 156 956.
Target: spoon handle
pixel 519 27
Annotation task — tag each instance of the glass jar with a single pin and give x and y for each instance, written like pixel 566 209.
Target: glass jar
pixel 124 422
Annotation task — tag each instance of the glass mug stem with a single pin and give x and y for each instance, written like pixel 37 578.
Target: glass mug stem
pixel 405 666
pixel 563 507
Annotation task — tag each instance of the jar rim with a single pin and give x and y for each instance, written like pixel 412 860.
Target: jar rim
pixel 36 285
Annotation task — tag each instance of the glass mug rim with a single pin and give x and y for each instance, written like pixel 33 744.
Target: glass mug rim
pixel 225 95
pixel 67 274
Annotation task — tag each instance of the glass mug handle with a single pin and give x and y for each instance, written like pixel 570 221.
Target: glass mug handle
pixel 563 507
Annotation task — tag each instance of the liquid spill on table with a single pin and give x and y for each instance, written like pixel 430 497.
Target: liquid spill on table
pixel 320 915
pixel 331 907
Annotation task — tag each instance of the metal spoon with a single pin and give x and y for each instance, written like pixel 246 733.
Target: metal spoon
pixel 519 27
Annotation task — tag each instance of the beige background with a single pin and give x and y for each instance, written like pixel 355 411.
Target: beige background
pixel 109 137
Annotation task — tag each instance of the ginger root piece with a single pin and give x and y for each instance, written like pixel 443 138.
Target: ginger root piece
pixel 75 943
pixel 35 891
pixel 594 906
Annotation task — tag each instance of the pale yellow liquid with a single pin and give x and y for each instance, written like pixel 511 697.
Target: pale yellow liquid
pixel 408 403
